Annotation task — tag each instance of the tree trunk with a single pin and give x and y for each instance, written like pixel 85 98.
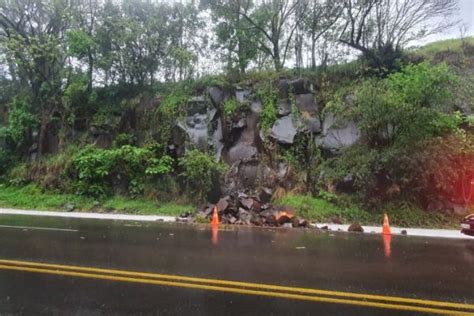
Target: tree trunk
pixel 313 51
pixel 90 71
pixel 42 135
pixel 276 57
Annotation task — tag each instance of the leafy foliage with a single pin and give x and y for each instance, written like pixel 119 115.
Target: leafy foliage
pixel 401 119
pixel 231 106
pixel 268 95
pixel 199 171
pixel 95 170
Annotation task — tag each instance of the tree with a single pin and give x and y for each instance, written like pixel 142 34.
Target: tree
pixel 34 32
pixel 81 38
pixel 132 40
pixel 320 17
pixel 276 21
pixel 234 32
pixel 380 29
pixel 186 41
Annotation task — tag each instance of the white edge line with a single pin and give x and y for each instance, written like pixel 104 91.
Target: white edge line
pixel 40 228
pixel 419 232
pixel 124 217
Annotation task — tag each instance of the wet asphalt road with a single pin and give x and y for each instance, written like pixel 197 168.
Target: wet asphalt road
pixel 409 267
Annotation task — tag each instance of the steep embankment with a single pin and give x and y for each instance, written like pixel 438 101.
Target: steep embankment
pixel 330 145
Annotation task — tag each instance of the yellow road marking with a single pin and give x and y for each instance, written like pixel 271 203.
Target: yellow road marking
pixel 128 276
pixel 285 289
pixel 239 291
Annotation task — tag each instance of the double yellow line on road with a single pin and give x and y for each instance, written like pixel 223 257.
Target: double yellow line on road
pixel 246 288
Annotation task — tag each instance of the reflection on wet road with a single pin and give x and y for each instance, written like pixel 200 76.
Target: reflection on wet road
pixel 107 267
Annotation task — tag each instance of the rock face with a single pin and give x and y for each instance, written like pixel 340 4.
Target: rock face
pixel 237 138
pixel 245 146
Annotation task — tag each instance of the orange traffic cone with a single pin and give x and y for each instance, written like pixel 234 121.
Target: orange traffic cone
pixel 215 217
pixel 386 226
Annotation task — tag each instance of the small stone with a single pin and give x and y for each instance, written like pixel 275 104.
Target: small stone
pixel 324 227
pixel 247 203
pixel 69 207
pixel 355 227
pixel 231 219
pixel 287 225
pixel 404 232
pixel 244 216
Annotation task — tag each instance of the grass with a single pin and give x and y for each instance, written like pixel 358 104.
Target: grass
pixel 31 197
pixel 320 210
pixel 453 45
pixel 311 208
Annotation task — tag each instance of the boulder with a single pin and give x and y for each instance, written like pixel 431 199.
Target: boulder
pixel 223 204
pixel 241 95
pixel 338 135
pixel 284 108
pixel 244 216
pixel 300 86
pixel 247 203
pixel 284 130
pixel 217 95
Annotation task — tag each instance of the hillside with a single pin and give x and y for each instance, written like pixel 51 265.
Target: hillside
pixel 348 144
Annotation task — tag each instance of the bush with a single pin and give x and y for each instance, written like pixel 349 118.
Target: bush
pixel 231 106
pixel 47 173
pixel 97 171
pixel 406 107
pixel 404 126
pixel 199 170
pixel 21 122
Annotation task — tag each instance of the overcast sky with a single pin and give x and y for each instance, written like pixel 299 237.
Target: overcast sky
pixel 466 15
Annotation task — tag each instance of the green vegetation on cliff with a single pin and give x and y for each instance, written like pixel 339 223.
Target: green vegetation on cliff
pixel 133 105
